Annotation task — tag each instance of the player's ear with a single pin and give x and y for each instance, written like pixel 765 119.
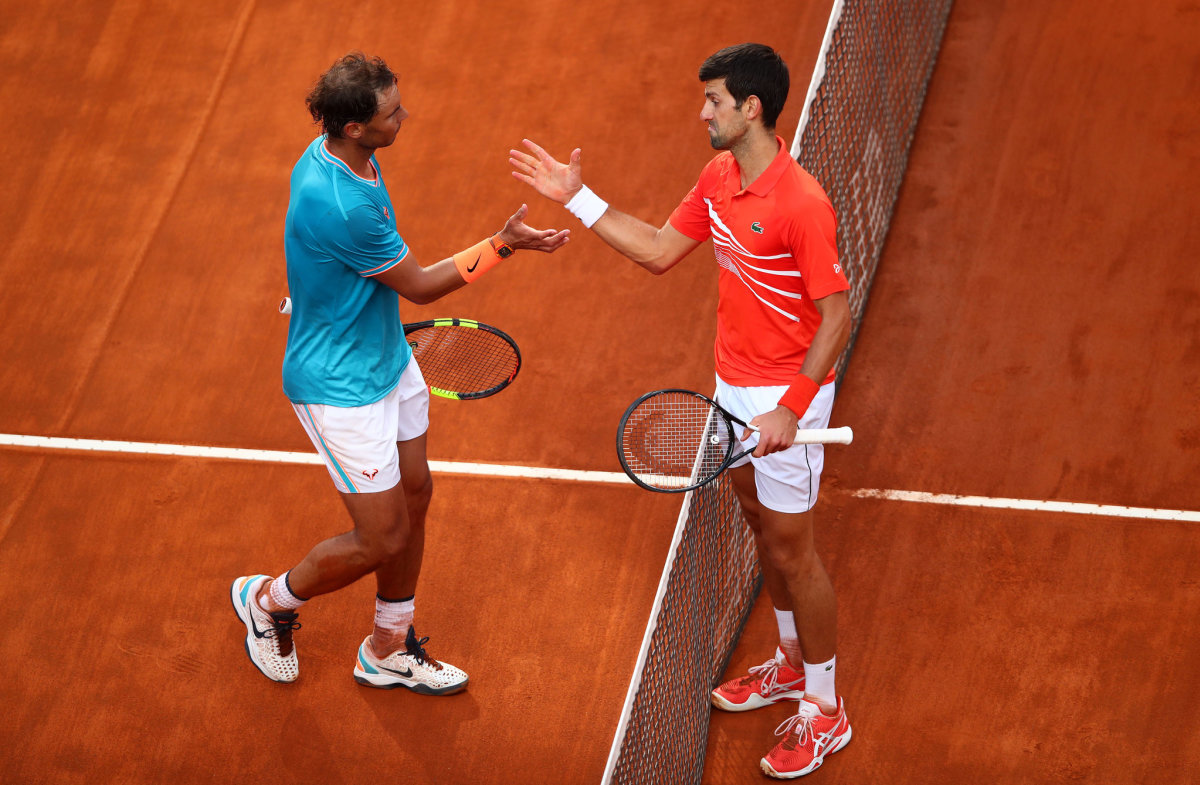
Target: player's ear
pixel 752 107
pixel 352 130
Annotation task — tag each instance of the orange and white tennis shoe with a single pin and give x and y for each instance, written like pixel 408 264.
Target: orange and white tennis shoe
pixel 773 681
pixel 808 736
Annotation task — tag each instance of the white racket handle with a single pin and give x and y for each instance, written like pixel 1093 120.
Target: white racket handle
pixel 285 305
pixel 842 435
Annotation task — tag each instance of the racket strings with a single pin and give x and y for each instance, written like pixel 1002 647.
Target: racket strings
pixel 463 359
pixel 675 440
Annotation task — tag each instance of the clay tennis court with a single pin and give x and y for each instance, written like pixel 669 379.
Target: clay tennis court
pixel 1033 333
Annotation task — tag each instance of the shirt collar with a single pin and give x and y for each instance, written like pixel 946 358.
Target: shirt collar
pixel 770 176
pixel 766 181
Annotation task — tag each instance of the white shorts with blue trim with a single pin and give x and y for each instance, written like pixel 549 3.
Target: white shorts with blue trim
pixel 788 480
pixel 358 443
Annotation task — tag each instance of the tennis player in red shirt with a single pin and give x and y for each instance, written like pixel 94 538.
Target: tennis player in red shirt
pixel 783 318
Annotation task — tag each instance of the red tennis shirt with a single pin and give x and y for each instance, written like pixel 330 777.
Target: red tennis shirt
pixel 776 245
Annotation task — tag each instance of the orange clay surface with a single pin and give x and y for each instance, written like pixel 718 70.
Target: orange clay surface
pixel 1034 332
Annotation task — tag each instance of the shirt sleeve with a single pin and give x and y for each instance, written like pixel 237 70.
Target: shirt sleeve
pixel 365 242
pixel 813 239
pixel 691 216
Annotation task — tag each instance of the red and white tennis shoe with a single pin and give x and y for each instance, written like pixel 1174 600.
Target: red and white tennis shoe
pixel 808 736
pixel 773 681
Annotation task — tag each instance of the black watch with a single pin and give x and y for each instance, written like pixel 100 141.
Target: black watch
pixel 502 249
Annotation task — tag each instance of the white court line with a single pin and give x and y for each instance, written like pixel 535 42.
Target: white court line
pixel 278 456
pixel 1106 510
pixel 504 470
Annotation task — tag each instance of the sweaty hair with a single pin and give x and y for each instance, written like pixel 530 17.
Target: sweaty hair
pixel 751 69
pixel 348 92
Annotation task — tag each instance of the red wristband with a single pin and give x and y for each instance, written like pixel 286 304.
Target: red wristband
pixel 799 395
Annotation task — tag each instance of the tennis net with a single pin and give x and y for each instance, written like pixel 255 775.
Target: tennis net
pixel 854 136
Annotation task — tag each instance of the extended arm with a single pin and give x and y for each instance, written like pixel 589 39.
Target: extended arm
pixel 423 285
pixel 656 250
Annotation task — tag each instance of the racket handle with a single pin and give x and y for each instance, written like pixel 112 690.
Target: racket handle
pixel 842 435
pixel 285 305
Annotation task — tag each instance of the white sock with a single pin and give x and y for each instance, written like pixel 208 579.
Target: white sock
pixel 281 595
pixel 394 616
pixel 818 681
pixel 788 642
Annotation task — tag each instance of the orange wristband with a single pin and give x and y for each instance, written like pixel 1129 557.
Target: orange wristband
pixel 800 395
pixel 479 258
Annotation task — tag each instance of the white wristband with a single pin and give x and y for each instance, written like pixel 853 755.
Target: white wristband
pixel 586 206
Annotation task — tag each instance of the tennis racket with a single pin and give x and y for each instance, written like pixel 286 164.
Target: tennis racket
pixel 678 440
pixel 461 359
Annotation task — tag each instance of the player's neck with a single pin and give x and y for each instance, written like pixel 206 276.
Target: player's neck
pixel 754 152
pixel 354 155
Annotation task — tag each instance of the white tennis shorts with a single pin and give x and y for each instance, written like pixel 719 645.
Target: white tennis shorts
pixel 358 443
pixel 788 480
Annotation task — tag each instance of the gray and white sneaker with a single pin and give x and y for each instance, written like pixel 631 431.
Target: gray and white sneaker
pixel 268 635
pixel 411 668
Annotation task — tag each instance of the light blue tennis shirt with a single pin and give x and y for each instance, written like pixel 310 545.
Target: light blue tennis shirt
pixel 345 344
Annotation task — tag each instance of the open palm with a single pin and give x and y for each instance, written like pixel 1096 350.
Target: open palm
pixel 553 180
pixel 521 235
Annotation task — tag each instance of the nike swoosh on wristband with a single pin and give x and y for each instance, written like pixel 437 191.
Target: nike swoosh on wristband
pixel 471 269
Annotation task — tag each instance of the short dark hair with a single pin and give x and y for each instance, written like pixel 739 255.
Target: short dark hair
pixel 349 92
pixel 751 69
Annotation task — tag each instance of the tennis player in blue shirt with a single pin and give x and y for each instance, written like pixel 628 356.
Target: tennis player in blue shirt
pixel 354 384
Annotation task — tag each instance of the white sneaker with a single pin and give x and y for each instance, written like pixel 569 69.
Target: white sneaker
pixel 268 635
pixel 411 668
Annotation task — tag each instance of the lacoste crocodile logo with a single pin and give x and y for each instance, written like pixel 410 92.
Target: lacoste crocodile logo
pixel 756 227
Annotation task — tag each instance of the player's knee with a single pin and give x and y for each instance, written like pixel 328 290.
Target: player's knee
pixel 381 548
pixel 791 558
pixel 393 544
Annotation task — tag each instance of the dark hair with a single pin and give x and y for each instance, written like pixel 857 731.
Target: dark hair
pixel 751 69
pixel 348 92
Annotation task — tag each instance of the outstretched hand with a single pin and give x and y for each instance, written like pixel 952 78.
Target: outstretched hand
pixel 548 177
pixel 522 236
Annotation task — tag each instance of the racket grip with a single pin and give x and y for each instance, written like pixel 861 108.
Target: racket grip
pixel 842 435
pixel 285 305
